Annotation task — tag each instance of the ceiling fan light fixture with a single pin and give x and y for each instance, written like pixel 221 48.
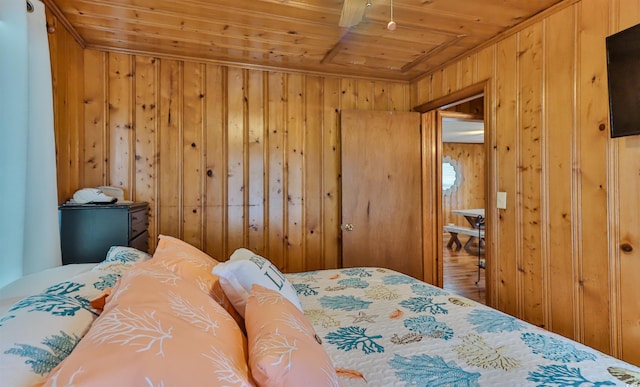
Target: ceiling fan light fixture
pixel 391 26
pixel 369 3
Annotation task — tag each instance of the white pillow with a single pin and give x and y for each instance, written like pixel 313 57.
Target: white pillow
pixel 243 270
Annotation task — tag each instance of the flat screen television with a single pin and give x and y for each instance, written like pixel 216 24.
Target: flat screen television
pixel 623 71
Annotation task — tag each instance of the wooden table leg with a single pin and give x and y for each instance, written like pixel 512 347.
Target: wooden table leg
pixel 467 246
pixel 454 239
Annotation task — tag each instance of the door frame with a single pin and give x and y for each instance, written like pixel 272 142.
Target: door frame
pixel 432 182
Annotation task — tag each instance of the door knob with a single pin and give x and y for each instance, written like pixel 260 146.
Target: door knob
pixel 347 227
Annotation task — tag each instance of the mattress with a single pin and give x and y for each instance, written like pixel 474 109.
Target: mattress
pixel 383 328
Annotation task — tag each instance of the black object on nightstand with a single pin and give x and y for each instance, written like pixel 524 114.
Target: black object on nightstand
pixel 87 231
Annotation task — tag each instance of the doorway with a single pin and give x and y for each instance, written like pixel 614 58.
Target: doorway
pixel 463 201
pixel 470 100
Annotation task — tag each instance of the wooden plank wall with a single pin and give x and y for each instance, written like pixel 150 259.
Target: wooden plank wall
pixel 566 251
pixel 226 157
pixel 470 159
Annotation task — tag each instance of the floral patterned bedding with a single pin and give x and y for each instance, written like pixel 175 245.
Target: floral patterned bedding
pixel 383 328
pixel 41 329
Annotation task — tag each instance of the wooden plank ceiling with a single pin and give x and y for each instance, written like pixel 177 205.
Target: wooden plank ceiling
pixel 299 35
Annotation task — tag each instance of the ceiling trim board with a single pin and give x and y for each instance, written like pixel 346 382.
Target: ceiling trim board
pixel 55 10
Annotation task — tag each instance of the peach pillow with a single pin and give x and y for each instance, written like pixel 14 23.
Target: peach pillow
pixel 157 328
pixel 185 260
pixel 195 265
pixel 283 349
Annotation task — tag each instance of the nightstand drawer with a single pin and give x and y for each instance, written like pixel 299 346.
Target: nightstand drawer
pixel 139 222
pixel 141 242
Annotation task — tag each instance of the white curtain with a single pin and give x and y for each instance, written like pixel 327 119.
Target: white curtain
pixel 29 236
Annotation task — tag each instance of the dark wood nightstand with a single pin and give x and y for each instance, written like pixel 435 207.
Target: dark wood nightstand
pixel 87 231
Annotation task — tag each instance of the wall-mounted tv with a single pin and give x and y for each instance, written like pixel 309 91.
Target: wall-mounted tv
pixel 623 70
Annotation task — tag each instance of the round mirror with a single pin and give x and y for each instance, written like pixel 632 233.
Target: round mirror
pixel 451 178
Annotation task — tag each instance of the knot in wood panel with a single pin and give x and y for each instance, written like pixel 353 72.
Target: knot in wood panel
pixel 626 247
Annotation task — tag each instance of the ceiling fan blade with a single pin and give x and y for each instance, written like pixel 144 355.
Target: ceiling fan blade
pixel 352 12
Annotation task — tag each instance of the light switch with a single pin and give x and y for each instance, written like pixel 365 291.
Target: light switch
pixel 501 199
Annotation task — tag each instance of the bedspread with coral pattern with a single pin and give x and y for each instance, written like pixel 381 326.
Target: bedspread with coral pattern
pixel 383 328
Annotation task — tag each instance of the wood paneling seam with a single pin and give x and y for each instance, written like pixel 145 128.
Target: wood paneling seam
pixel 106 156
pixel 577 221
pixel 155 209
pixel 614 232
pixel 545 249
pixel 225 158
pixel 303 172
pixel 245 158
pixel 518 194
pixel 265 160
pixel 323 186
pixel 132 129
pixel 180 149
pixel 285 175
pixel 203 155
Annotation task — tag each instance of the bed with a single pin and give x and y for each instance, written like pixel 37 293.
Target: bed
pixel 183 318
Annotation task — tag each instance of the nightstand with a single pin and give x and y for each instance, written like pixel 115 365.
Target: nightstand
pixel 87 231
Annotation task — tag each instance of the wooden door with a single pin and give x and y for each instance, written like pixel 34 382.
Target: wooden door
pixel 381 191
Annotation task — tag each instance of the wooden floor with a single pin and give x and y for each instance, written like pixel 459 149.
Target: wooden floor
pixel 461 273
